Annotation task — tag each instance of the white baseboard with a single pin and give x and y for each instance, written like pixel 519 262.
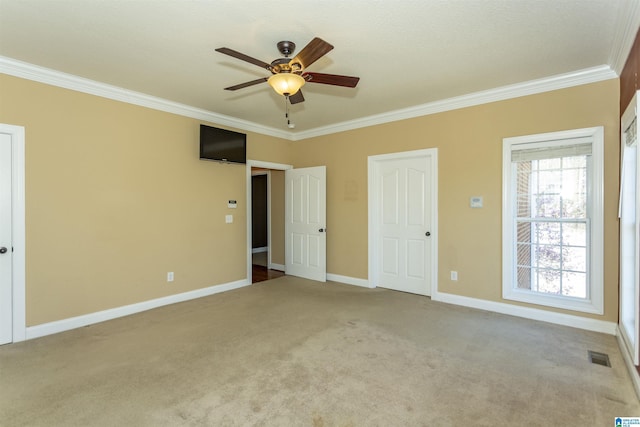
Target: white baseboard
pixel 113 313
pixel 278 267
pixel 258 250
pixel 633 372
pixel 348 280
pixel 529 313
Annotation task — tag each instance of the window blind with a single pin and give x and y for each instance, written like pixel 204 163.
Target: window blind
pixel 574 147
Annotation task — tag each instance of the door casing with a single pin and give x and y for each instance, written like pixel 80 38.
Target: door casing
pixel 264 165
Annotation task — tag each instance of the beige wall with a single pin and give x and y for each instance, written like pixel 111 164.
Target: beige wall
pixel 469 143
pixel 116 197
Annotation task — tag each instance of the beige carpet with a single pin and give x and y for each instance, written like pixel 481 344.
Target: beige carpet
pixel 294 352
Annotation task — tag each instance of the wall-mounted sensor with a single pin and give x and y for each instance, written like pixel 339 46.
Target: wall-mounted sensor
pixel 232 204
pixel 475 202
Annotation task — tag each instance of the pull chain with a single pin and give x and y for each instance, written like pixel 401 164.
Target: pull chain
pixel 286 113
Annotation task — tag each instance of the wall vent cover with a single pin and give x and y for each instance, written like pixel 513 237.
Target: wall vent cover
pixel 599 358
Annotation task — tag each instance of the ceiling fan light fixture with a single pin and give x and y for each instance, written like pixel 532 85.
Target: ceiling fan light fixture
pixel 286 84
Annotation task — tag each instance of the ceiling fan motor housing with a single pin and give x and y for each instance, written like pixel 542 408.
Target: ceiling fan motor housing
pixel 281 65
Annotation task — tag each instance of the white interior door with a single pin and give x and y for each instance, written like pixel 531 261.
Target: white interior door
pixel 404 224
pixel 630 233
pixel 305 223
pixel 6 297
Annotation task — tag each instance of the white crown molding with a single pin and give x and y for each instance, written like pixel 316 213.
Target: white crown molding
pixel 56 78
pixel 547 84
pixel 628 23
pixel 28 71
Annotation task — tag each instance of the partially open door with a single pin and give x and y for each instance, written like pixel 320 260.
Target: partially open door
pixel 305 223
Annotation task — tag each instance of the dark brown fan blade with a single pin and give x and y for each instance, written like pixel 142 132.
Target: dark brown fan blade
pixel 315 50
pixel 331 79
pixel 296 98
pixel 244 57
pixel 247 84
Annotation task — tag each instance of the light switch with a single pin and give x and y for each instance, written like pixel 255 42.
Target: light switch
pixel 228 219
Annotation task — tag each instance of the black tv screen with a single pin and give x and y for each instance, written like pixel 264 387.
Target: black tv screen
pixel 222 145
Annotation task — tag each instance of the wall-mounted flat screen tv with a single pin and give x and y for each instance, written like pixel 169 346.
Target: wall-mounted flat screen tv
pixel 222 145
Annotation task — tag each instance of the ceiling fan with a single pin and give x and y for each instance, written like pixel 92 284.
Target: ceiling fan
pixel 289 75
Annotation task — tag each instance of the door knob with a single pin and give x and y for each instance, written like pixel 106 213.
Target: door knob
pixel 322 230
pixel 3 250
pixel 428 233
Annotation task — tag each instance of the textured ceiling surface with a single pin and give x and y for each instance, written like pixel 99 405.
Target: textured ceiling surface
pixel 407 53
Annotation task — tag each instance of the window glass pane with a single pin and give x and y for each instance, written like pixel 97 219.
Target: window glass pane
pixel 524 278
pixel 574 234
pixel 547 164
pixel 547 206
pixel 548 281
pixel 524 206
pixel 574 162
pixel 574 189
pixel 524 232
pixel 548 232
pixel 547 256
pixel 574 284
pixel 524 255
pixel 574 258
pixel 549 182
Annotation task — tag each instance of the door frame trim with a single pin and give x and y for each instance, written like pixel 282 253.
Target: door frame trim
pixel 373 168
pixel 18 237
pixel 265 165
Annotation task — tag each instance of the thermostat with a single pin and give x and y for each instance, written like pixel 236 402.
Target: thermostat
pixel 475 202
pixel 232 204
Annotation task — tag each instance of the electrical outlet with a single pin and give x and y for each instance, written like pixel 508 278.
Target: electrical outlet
pixel 170 276
pixel 454 276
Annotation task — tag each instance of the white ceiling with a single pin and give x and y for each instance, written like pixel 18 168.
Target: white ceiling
pixel 407 53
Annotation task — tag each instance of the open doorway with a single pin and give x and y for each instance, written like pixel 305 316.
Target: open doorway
pixel 265 220
pixel 259 217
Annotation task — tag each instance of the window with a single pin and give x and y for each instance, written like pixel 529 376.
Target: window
pixel 552 219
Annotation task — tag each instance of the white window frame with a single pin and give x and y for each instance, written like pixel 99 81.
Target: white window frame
pixel 594 303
